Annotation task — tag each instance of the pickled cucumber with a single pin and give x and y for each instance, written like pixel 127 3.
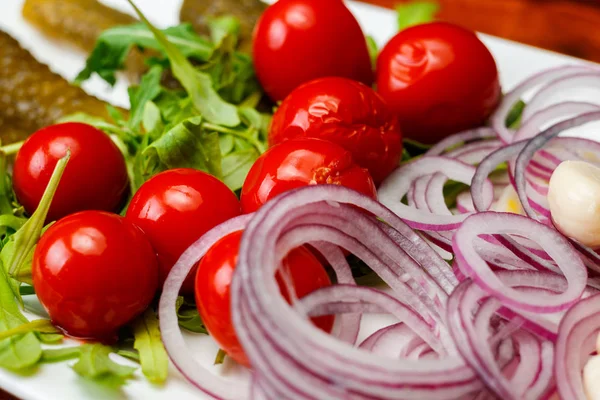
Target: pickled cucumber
pixel 32 96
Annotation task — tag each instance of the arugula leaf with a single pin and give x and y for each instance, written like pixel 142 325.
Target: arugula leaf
pixel 139 96
pixel 95 363
pixel 5 188
pixel 188 316
pixel 58 355
pixel 220 357
pixel 152 353
pixel 223 26
pixel 188 145
pixel 236 166
pixel 373 50
pixel 24 240
pixel 197 84
pixel 513 119
pixel 20 351
pixel 415 13
pixel 38 325
pixel 114 44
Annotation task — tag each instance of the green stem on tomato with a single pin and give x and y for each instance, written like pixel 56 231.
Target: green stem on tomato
pixel 221 129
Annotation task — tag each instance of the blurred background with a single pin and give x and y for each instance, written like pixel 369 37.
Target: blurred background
pixel 564 26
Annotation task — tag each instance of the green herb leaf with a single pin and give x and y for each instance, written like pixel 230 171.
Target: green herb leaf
pixel 153 356
pixel 513 119
pixel 236 166
pixel 18 351
pixel 95 363
pixel 58 355
pixel 198 85
pixel 373 50
pixel 148 90
pixel 25 239
pixel 188 316
pixel 220 358
pixel 131 354
pixel 113 46
pixel 188 145
pixel 38 325
pixel 223 26
pixel 415 13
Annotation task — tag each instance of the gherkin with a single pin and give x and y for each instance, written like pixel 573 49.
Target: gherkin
pixel 196 12
pixel 32 96
pixel 80 23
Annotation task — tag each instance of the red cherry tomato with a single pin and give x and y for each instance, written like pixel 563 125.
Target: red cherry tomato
pixel 345 112
pixel 301 162
pixel 296 41
pixel 95 177
pixel 94 271
pixel 439 78
pixel 175 208
pixel 213 282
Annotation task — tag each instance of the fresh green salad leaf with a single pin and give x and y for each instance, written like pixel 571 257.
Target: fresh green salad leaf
pixel 513 119
pixel 95 363
pixel 222 27
pixel 415 13
pixel 373 50
pixel 18 351
pixel 188 145
pixel 152 353
pixel 113 46
pixel 197 84
pixel 188 316
pixel 139 96
pixel 58 355
pixel 19 249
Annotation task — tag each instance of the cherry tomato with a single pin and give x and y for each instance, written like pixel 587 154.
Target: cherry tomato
pixel 175 208
pixel 345 112
pixel 301 162
pixel 439 78
pixel 94 271
pixel 213 282
pixel 296 41
pixel 95 177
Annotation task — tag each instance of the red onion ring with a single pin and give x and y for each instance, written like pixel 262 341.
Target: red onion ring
pixel 398 184
pixel 561 251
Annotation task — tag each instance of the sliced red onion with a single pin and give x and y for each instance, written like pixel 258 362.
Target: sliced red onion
pixel 473 153
pixel 581 322
pixel 498 119
pixel 397 185
pixel 555 113
pixel 459 138
pixel 561 251
pixel 183 360
pixel 561 85
pixel 324 367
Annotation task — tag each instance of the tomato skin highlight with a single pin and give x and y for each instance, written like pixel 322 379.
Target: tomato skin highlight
pixel 93 272
pixel 176 207
pixel 345 112
pixel 296 41
pixel 301 162
pixel 213 284
pixel 95 177
pixel 439 78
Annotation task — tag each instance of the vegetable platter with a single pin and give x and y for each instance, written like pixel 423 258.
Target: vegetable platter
pixel 199 236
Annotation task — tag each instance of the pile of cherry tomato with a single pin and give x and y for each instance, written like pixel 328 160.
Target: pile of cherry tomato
pixel 95 270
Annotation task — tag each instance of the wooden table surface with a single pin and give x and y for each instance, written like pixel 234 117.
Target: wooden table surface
pixel 564 26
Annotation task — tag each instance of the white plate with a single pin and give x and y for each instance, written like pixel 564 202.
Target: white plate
pixel 58 381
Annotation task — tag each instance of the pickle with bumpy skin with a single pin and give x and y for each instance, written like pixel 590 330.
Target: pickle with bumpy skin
pixel 80 23
pixel 32 96
pixel 197 12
